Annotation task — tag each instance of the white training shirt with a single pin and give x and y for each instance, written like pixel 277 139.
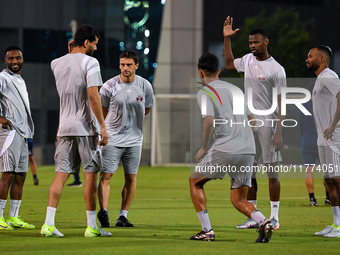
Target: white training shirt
pixel 74 74
pixel 126 104
pixel 326 88
pixel 262 77
pixel 14 103
pixel 232 137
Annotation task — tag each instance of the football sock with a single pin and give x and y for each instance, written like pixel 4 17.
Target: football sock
pixel 14 209
pixel 50 215
pixel 258 217
pixel 123 213
pixel 91 219
pixel 274 210
pixel 336 215
pixel 204 219
pixel 34 176
pixel 253 202
pixel 2 207
pixel 76 177
pixel 311 197
pixel 327 195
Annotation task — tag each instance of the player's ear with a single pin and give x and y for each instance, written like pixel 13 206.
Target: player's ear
pixel 218 72
pixel 137 65
pixel 322 59
pixel 86 42
pixel 200 74
pixel 266 41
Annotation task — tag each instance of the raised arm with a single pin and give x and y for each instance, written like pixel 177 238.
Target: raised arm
pixel 227 33
pixel 70 46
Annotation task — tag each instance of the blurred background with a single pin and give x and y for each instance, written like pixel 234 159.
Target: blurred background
pixel 169 36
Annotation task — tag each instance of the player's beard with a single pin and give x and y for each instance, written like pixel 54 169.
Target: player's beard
pixel 312 67
pixel 90 51
pixel 14 70
pixel 127 74
pixel 255 53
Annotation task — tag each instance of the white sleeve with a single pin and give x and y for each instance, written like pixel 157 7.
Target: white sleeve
pixel 93 76
pixel 149 97
pixel 332 85
pixel 1 85
pixel 209 104
pixel 53 64
pixel 280 80
pixel 240 64
pixel 105 94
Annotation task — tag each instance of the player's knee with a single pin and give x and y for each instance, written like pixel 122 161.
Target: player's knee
pixel 236 203
pixel 273 177
pixel 130 178
pixel 336 183
pixel 19 178
pixel 106 177
pixel 7 178
pixel 194 182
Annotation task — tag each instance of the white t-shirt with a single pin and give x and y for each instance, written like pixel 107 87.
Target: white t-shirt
pixel 14 103
pixel 262 77
pixel 126 104
pixel 232 137
pixel 326 88
pixel 74 74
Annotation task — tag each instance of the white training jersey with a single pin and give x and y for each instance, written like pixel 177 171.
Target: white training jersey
pixel 14 103
pixel 235 135
pixel 74 74
pixel 326 88
pixel 262 77
pixel 126 103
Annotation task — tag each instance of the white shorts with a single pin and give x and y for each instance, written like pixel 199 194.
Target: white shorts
pixel 14 152
pixel 72 151
pixel 330 160
pixel 130 157
pixel 215 164
pixel 265 153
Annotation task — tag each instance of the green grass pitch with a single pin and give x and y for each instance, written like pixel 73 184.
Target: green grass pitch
pixel 165 218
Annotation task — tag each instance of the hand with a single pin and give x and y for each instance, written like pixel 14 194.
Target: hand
pixel 227 29
pixel 200 154
pixel 5 123
pixel 104 135
pixel 277 142
pixel 70 46
pixel 328 133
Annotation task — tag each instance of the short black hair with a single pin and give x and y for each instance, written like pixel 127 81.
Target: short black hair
pixel 85 32
pixel 259 31
pixel 325 49
pixel 209 63
pixel 130 54
pixel 13 47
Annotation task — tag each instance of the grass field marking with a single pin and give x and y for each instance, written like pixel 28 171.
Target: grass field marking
pixel 178 199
